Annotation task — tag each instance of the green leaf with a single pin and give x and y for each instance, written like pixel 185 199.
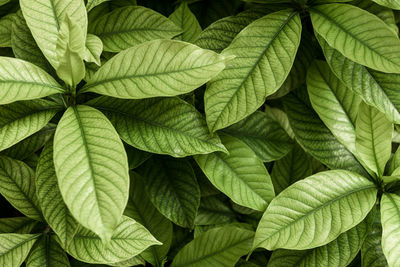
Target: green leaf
pixel 136 157
pixel 142 210
pixel 241 175
pixel 371 250
pixel 180 68
pixel 20 225
pixel 172 188
pixel 186 20
pixel 336 105
pixel 294 166
pixel 344 28
pixel 280 117
pixel 221 246
pixel 214 211
pixel 17 185
pixel 263 135
pixel 21 80
pixel 339 252
pixel 128 240
pixel 24 46
pixel 47 252
pixel 374 138
pixel 315 137
pixel 160 125
pixel 135 261
pixel 255 72
pixel 54 210
pixel 94 48
pixel 390 216
pixel 14 248
pixel 22 119
pixel 393 4
pixel 315 211
pixel 44 18
pixel 92 169
pixel 5 30
pixel 31 144
pixel 375 88
pixel 132 25
pixel 93 3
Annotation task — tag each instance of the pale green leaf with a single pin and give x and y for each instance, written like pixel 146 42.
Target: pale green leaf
pixel 22 119
pixel 93 3
pixel 336 105
pixel 92 169
pixel 315 211
pixel 340 252
pixel 20 225
pixel 5 30
pixel 14 248
pixel 214 211
pixel 264 53
pixel 390 216
pixel 280 117
pixel 373 138
pixel 160 125
pixel 315 137
pixel 54 210
pixel 44 18
pixel 21 80
pixel 263 135
pixel 47 252
pixel 172 188
pixel 344 28
pixel 294 166
pixel 135 261
pixel 377 89
pixel 241 175
pixel 394 166
pixel 186 20
pixel 17 185
pixel 128 240
pixel 94 48
pixel 156 68
pixel 393 4
pixel 220 247
pixel 129 26
pixel 142 210
pixel 24 46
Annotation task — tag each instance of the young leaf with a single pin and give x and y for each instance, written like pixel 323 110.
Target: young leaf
pixel 254 73
pixel 374 138
pixel 22 119
pixel 393 4
pixel 320 205
pixel 5 30
pixel 344 28
pixel 128 240
pixel 172 188
pixel 221 246
pixel 186 20
pixel 129 26
pixel 15 247
pixel 390 216
pixel 44 18
pixel 21 80
pixel 336 105
pixel 263 135
pixel 241 175
pixel 160 125
pixel 92 169
pixel 20 225
pixel 47 252
pixel 17 185
pixel 54 210
pixel 156 68
pixel 375 88
pixel 142 210
pixel 339 252
pixel 93 50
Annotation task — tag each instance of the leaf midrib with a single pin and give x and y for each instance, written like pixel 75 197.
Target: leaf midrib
pixel 20 244
pixel 45 85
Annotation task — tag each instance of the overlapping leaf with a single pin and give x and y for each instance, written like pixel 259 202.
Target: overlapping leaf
pixel 254 73
pixel 160 125
pixel 186 20
pixel 213 211
pixel 393 4
pixel 390 216
pixel 20 225
pixel 94 48
pixel 92 169
pixel 156 68
pixel 241 175
pixel 5 30
pixel 15 247
pixel 315 211
pixel 47 252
